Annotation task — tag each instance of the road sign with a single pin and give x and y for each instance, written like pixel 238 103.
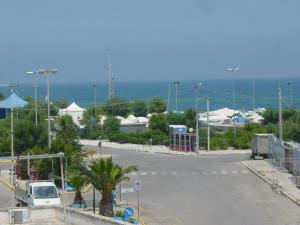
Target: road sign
pixel 127 190
pixel 128 212
pixel 138 185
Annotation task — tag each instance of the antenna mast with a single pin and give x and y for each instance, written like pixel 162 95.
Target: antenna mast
pixel 110 78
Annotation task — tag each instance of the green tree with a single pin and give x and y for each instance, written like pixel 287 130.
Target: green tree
pixel 104 175
pixel 27 135
pixel 190 118
pixel 1 96
pixel 88 116
pixel 158 122
pixel 117 107
pixel 110 126
pixel 175 118
pixel 78 182
pixel 157 105
pixel 139 108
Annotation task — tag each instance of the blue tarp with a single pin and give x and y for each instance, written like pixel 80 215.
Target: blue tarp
pixel 13 101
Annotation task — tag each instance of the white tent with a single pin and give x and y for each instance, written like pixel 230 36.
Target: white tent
pixel 74 111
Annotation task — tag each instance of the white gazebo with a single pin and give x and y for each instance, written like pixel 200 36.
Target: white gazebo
pixel 73 110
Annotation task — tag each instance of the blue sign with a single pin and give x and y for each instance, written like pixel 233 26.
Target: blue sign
pixel 128 212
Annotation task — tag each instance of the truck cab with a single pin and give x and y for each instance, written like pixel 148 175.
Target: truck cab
pixel 41 193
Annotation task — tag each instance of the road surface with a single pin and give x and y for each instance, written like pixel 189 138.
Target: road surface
pixel 208 190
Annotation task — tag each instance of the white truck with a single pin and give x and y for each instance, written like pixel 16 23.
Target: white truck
pixel 37 193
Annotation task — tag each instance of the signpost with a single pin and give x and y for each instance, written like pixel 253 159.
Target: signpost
pixel 138 187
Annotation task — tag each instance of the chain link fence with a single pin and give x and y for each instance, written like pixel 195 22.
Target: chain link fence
pixel 285 156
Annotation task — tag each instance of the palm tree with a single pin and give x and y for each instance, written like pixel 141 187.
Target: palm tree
pixel 104 175
pixel 78 182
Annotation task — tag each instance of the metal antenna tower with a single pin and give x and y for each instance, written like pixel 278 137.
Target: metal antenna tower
pixel 110 79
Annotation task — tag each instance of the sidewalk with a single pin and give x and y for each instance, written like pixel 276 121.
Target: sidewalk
pixel 156 148
pixel 278 178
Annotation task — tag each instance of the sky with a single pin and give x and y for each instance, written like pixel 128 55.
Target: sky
pixel 149 39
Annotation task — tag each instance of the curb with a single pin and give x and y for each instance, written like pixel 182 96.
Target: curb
pixel 281 190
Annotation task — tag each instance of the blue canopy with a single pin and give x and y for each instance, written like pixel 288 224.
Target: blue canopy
pixel 13 101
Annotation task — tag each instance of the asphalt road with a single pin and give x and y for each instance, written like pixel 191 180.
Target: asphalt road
pixel 208 190
pixel 201 190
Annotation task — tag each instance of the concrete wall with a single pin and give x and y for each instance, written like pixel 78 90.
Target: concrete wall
pixel 73 217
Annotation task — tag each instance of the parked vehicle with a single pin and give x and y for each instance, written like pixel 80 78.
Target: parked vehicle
pixel 37 193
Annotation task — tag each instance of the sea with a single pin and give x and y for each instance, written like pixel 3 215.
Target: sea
pixel 220 92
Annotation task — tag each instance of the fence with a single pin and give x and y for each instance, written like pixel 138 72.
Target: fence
pixel 285 155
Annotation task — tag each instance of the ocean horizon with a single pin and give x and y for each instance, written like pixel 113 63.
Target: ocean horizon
pixel 218 90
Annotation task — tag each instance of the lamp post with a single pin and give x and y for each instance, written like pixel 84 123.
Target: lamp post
pixel 176 83
pixel 291 93
pixel 35 95
pixel 95 89
pixel 233 70
pixel 197 87
pixel 48 72
pixel 253 97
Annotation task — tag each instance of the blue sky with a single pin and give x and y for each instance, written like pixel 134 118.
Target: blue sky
pixel 149 40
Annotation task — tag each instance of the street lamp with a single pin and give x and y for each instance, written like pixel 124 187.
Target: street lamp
pixel 197 87
pixel 48 72
pixel 95 89
pixel 35 95
pixel 233 70
pixel 176 83
pixel 291 93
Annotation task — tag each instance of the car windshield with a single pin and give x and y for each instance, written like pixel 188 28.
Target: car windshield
pixel 45 192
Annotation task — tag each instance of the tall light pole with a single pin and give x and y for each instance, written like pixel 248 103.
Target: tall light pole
pixel 11 86
pixel 95 96
pixel 253 96
pixel 197 87
pixel 208 125
pixel 176 83
pixel 168 103
pixel 48 72
pixel 233 71
pixel 291 93
pixel 35 95
pixel 280 112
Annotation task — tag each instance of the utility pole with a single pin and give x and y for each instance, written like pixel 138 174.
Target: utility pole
pixel 35 95
pixel 48 72
pixel 208 125
pixel 253 96
pixel 95 96
pixel 233 70
pixel 280 112
pixel 197 87
pixel 168 103
pixel 176 83
pixel 110 79
pixel 291 93
pixel 12 155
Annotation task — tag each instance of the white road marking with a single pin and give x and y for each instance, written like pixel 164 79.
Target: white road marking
pixel 214 172
pixel 174 173
pixel 144 173
pixel 244 171
pixel 224 172
pixel 233 171
pixel 153 173
pixel 133 173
